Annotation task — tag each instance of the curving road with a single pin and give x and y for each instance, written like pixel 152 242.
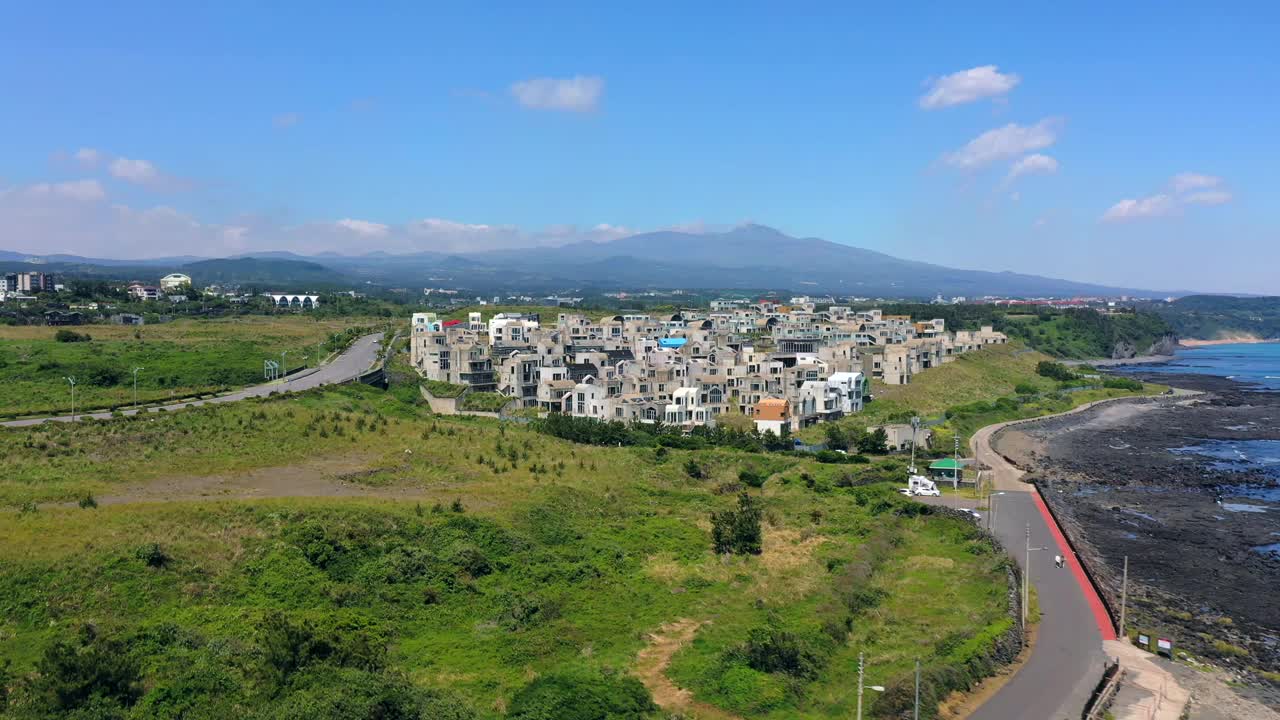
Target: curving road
pixel 1068 657
pixel 353 362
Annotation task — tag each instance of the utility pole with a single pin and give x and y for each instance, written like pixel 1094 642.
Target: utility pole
pixel 135 388
pixel 915 427
pixel 859 686
pixel 917 713
pixel 72 381
pixel 1124 594
pixel 955 472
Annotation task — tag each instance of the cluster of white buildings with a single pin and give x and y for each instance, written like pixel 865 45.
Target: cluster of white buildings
pixel 173 286
pixel 782 365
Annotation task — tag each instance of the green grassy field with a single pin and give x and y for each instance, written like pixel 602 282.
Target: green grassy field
pixel 443 567
pixel 181 358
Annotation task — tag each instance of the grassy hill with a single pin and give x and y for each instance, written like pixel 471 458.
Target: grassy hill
pixel 345 554
pixel 1078 333
pixel 1215 317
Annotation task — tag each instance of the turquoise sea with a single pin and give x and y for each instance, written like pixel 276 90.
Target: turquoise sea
pixel 1257 363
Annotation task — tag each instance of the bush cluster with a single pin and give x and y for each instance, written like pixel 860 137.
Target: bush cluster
pixel 738 531
pixel 590 431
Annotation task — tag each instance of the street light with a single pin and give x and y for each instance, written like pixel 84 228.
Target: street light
pixel 1026 578
pixel 73 395
pixel 135 388
pixel 877 688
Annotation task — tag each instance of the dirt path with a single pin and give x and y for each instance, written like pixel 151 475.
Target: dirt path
pixel 651 667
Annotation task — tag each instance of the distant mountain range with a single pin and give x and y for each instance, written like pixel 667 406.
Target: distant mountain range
pixel 746 257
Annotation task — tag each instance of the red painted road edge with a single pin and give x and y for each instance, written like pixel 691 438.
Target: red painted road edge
pixel 1100 615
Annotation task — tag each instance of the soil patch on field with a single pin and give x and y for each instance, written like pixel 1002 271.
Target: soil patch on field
pixel 342 476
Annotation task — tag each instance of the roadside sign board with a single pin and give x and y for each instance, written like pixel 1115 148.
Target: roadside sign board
pixel 1164 647
pixel 1144 641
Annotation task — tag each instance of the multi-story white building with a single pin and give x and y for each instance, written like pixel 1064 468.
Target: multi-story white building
pixel 690 367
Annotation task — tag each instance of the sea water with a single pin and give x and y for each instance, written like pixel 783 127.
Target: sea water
pixel 1254 363
pixel 1258 364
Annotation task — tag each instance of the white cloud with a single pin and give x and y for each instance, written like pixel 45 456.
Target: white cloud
pixel 363 227
pixel 1131 209
pixel 144 173
pixel 286 120
pixel 1183 182
pixel 1033 165
pixel 968 86
pixel 72 217
pixel 580 93
pixel 136 171
pixel 79 190
pixel 88 157
pixel 1186 188
pixel 1208 197
pixel 1003 143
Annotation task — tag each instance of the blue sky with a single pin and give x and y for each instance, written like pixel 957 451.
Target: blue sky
pixel 1152 131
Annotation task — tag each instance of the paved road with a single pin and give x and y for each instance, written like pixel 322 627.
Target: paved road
pixel 1068 658
pixel 353 362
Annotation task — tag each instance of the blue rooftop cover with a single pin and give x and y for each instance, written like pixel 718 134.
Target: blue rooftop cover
pixel 672 342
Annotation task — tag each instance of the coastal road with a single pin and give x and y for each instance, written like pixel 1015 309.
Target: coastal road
pixel 353 362
pixel 1068 657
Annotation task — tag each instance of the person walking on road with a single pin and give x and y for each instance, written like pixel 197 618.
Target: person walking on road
pixel 1058 561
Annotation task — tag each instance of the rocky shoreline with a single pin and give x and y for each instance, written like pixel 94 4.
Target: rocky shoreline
pixel 1190 528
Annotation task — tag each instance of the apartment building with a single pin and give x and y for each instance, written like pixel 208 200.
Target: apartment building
pixel 798 365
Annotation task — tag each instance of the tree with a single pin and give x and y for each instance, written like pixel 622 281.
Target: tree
pixel 738 532
pixel 874 443
pixel 837 438
pixel 90 672
pixel 1055 371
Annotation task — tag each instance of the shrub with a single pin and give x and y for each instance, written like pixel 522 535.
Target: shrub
pixel 1054 371
pixel 88 673
pixel 288 647
pixel 771 649
pixel 70 336
pixel 694 470
pixel 1025 388
pixel 562 696
pixel 1122 383
pixel 88 501
pixel 153 555
pixel 738 531
pixel 751 478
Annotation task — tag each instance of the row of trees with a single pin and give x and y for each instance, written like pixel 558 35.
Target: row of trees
pixel 840 437
pixel 590 431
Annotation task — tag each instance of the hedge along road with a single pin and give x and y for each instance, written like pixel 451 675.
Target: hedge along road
pixel 350 364
pixel 1068 658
